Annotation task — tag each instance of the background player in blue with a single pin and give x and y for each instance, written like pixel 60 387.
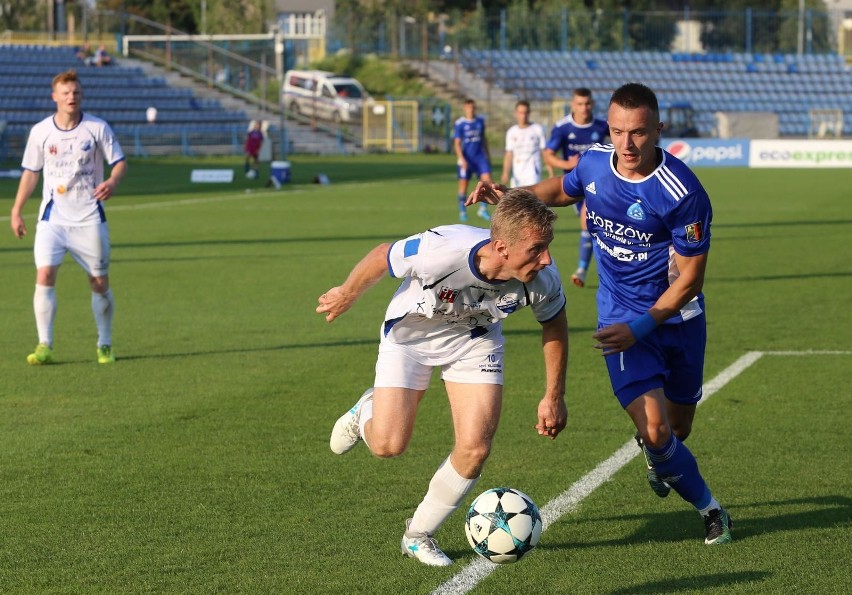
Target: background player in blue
pixel 458 284
pixel 650 219
pixel 571 136
pixel 471 148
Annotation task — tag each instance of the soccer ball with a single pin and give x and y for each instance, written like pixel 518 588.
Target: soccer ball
pixel 251 174
pixel 503 525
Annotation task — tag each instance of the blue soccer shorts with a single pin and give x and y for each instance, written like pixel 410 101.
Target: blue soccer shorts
pixel 671 358
pixel 475 167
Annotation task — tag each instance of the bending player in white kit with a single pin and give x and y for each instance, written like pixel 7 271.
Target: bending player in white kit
pixel 459 283
pixel 70 147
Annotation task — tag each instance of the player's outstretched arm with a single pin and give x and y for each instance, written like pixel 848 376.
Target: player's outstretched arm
pixel 488 192
pixel 551 193
pixel 366 273
pixel 552 412
pixel 28 183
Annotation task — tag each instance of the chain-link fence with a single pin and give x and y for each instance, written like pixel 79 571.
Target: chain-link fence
pixel 567 28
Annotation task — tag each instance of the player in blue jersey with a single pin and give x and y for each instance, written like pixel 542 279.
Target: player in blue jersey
pixel 459 283
pixel 650 219
pixel 472 156
pixel 572 136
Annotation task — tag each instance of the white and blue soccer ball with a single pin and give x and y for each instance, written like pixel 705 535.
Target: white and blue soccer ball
pixel 503 525
pixel 251 174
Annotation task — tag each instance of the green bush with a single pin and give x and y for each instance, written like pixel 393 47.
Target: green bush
pixel 381 77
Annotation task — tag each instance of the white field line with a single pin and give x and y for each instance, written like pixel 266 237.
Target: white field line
pixel 567 501
pixel 171 203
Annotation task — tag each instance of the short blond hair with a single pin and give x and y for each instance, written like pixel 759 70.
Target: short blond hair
pixel 517 213
pixel 69 76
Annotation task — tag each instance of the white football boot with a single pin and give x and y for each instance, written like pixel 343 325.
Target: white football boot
pixel 346 434
pixel 423 548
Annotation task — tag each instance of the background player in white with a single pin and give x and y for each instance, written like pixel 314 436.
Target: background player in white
pixel 650 219
pixel 524 143
pixel 572 136
pixel 70 147
pixel 459 283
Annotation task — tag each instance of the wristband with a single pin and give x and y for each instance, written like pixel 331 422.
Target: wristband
pixel 642 326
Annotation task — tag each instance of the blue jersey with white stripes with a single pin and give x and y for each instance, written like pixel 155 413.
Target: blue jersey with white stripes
pixel 636 227
pixel 573 139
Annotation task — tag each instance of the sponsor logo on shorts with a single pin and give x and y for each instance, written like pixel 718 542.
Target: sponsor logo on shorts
pixel 491 365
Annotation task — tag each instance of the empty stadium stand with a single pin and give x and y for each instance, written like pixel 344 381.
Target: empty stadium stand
pixel 119 94
pixel 789 85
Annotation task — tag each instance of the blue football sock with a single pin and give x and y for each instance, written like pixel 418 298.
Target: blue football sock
pixel 462 198
pixel 585 250
pixel 676 465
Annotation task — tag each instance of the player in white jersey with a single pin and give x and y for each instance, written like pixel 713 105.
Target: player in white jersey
pixel 459 283
pixel 70 147
pixel 524 143
pixel 650 219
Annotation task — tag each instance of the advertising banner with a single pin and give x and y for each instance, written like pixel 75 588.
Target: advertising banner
pixel 709 152
pixel 800 153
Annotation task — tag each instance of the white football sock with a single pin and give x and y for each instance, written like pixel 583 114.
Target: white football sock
pixel 366 415
pixel 44 306
pixel 446 491
pixel 712 505
pixel 102 308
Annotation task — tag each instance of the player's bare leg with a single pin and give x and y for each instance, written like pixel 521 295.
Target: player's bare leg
pixel 475 410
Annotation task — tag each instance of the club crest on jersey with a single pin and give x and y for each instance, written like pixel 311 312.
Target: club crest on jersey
pixel 52 149
pixel 447 295
pixel 508 303
pixel 694 232
pixel 635 211
pixel 87 145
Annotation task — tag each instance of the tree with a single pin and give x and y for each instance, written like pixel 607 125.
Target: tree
pixel 22 15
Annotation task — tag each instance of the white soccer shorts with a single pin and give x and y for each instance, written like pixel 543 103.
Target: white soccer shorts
pixel 401 367
pixel 87 244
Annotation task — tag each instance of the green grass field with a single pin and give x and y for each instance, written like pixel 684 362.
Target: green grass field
pixel 199 462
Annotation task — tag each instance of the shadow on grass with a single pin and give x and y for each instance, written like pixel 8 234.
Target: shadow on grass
pixel 700 581
pixel 826 512
pixel 823 512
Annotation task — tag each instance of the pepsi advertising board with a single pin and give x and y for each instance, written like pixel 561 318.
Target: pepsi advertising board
pixel 709 152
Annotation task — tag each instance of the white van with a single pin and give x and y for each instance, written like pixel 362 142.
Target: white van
pixel 324 95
